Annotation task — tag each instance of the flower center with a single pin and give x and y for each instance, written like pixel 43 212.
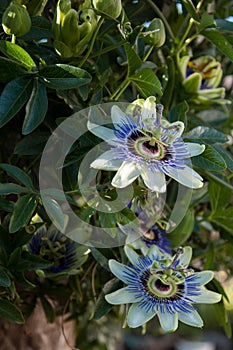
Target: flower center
pixel 150 235
pixel 150 148
pixel 161 286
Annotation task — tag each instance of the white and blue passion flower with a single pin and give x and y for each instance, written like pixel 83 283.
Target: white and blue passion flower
pixel 162 285
pixel 145 144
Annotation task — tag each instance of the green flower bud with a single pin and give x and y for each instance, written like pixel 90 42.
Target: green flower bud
pixel 155 34
pixel 72 29
pixel 111 8
pixel 36 7
pixel 16 20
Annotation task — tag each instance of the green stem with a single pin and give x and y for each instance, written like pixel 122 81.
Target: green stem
pixel 101 21
pixel 182 40
pixel 217 179
pixel 163 18
pixel 148 53
pixel 120 89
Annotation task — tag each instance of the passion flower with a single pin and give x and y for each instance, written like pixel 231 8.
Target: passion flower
pixel 162 285
pixel 145 144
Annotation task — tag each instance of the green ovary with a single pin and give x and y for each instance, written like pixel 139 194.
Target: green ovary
pixel 162 287
pixel 150 148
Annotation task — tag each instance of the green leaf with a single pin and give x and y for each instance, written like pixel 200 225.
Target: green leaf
pixel 178 112
pixel 48 309
pixel 206 21
pixel 223 319
pixel 13 97
pixel 204 134
pixel 17 174
pixel 102 260
pixel 146 82
pixel 5 205
pixel 8 188
pixel 4 278
pixel 23 210
pixel 36 108
pixel 223 218
pixel 220 41
pixel 17 53
pixel 219 195
pixel 210 160
pixel 10 69
pixel 32 144
pixel 10 312
pixel 64 76
pixel 102 306
pixel 134 61
pixel 191 9
pixel 54 211
pixel 227 156
pixel 183 230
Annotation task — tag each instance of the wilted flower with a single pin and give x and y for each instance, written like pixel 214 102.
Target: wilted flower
pixel 201 78
pixel 64 254
pixel 162 285
pixel 145 144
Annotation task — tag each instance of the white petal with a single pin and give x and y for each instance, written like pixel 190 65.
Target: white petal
pixel 117 116
pixel 194 148
pixel 131 254
pixel 120 270
pixel 104 133
pixel 121 296
pixel 207 297
pixel 127 173
pixel 168 321
pixel 192 318
pixel 149 108
pixel 154 251
pixel 137 316
pixel 154 180
pixel 187 176
pixel 203 277
pixel 186 256
pixel 106 161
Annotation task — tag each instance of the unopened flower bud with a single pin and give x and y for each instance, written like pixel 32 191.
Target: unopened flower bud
pixel 72 29
pixel 111 8
pixel 155 34
pixel 16 20
pixel 36 7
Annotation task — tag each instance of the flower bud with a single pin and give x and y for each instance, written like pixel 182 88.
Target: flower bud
pixel 155 34
pixel 111 8
pixel 72 29
pixel 36 7
pixel 16 20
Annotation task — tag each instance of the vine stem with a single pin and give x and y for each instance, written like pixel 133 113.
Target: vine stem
pixel 182 40
pixel 120 89
pixel 217 179
pixel 101 21
pixel 160 14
